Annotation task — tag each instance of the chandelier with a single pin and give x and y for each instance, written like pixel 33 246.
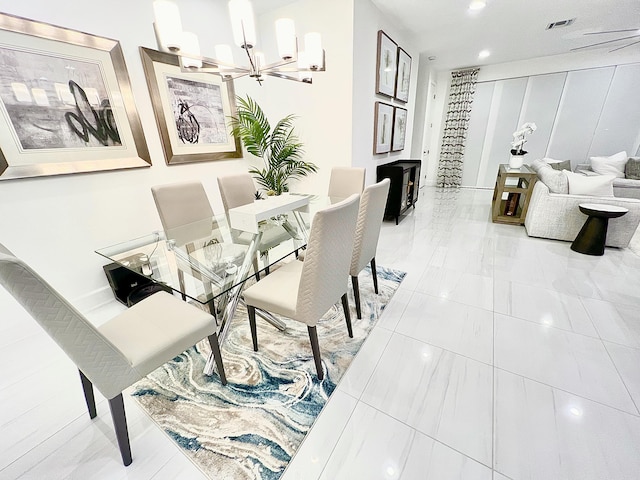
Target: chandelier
pixel 293 64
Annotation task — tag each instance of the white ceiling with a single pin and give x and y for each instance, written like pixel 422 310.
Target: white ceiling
pixel 511 29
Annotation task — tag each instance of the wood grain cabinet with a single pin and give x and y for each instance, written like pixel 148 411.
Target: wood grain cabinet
pixel 404 188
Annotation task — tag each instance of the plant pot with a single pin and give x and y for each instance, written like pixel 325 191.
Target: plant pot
pixel 516 161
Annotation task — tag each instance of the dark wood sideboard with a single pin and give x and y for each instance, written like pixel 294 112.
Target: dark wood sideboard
pixel 404 188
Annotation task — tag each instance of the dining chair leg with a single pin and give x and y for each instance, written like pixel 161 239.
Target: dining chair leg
pixel 347 316
pixel 217 356
pixel 87 388
pixel 181 282
pixel 374 274
pixel 116 404
pixel 252 324
pixel 356 295
pixel 315 347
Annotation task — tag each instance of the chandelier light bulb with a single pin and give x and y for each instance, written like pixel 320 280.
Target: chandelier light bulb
pixel 242 23
pixel 286 37
pixel 168 25
pixel 313 50
pixel 190 45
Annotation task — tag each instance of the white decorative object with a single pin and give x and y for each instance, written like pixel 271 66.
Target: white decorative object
pixel 246 217
pixel 516 161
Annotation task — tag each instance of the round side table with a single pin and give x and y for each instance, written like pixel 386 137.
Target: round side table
pixel 593 234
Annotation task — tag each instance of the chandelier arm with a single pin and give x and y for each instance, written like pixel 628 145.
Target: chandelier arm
pixel 612 31
pixel 288 77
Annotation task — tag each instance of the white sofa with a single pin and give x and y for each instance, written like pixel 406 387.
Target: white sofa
pixel 557 216
pixel 622 187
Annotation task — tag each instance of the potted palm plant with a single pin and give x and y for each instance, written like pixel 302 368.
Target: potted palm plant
pixel 280 149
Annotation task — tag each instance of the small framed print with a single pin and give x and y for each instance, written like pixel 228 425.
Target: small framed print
pixel 403 76
pixel 399 129
pixel 383 128
pixel 386 65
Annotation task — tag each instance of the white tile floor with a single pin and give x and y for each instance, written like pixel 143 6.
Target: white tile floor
pixel 500 357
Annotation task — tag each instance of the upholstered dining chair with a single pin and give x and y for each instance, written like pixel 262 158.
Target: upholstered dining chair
pixel 304 291
pixel 118 353
pixel 237 190
pixel 345 181
pixel 372 204
pixel 186 215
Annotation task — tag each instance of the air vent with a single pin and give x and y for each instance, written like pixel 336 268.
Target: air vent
pixel 561 23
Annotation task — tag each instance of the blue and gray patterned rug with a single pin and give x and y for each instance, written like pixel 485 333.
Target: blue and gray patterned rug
pixel 251 428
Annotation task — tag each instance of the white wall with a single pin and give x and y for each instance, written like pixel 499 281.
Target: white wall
pixel 367 21
pixel 512 70
pixel 56 223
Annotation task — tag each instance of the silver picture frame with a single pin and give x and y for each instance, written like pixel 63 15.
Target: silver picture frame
pixel 191 110
pixel 66 104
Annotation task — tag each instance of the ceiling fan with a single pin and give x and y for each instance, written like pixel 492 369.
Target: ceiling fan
pixel 630 35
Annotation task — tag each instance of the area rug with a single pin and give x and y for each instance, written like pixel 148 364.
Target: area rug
pixel 251 428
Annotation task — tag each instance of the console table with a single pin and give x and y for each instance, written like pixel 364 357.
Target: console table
pixel 404 188
pixel 518 185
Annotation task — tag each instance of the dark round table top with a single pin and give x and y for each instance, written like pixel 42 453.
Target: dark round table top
pixel 602 210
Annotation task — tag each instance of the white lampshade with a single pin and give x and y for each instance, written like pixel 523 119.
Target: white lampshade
pixel 313 50
pixel 286 36
pixel 190 44
pixel 242 23
pixel 224 54
pixel 168 25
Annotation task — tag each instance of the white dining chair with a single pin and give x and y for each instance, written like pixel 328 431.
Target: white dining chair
pixel 237 190
pixel 305 291
pixel 118 353
pixel 370 214
pixel 186 215
pixel 345 181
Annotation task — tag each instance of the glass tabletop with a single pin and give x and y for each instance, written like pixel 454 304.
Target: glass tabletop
pixel 205 259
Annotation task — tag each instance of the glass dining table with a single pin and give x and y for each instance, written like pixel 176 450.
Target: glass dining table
pixel 208 262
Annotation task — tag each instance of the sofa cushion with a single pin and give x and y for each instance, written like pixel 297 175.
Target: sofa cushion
pixel 555 180
pixel 632 168
pixel 600 185
pixel 612 165
pixel 558 164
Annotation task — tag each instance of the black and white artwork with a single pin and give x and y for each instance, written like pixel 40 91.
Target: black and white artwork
pixel 399 129
pixel 66 104
pixel 198 111
pixel 191 109
pixel 403 76
pixel 54 102
pixel 386 65
pixel 383 128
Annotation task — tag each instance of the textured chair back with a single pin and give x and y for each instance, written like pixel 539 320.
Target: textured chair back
pixel 345 181
pixel 326 265
pixel 372 205
pixel 101 362
pixel 236 190
pixel 184 209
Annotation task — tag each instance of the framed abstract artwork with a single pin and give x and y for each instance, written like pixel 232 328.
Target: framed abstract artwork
pixel 383 126
pixel 66 104
pixel 191 110
pixel 403 76
pixel 399 129
pixel 386 65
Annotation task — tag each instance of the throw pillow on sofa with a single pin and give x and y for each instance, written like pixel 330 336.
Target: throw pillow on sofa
pixel 632 168
pixel 598 186
pixel 554 179
pixel 612 165
pixel 558 164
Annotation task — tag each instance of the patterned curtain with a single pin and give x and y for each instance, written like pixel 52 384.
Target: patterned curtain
pixel 463 86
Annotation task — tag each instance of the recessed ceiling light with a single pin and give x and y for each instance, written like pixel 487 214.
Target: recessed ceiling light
pixel 484 54
pixel 477 4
